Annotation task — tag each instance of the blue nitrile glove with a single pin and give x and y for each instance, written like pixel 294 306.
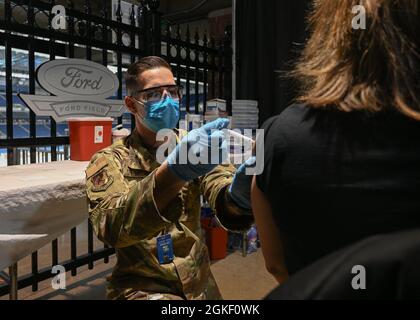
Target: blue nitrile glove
pixel 240 189
pixel 199 142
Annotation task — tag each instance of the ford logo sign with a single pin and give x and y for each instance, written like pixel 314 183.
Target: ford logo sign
pixel 76 77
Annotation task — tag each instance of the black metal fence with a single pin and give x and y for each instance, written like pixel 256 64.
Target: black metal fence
pixel 100 32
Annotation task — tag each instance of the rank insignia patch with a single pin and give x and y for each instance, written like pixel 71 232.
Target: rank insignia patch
pixel 101 181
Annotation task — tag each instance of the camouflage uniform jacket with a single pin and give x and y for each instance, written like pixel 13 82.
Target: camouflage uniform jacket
pixel 119 184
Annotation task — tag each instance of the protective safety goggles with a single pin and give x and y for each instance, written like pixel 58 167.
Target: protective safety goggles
pixel 155 94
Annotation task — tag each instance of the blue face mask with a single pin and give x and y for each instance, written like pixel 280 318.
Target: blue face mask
pixel 160 115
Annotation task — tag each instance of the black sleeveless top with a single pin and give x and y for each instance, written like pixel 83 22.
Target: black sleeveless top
pixel 333 178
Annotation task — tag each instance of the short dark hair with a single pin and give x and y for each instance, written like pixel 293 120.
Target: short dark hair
pixel 140 66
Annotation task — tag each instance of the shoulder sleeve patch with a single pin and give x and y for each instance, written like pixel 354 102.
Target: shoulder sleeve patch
pixel 96 166
pixel 101 181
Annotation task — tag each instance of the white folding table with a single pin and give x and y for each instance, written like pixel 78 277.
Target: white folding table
pixel 38 203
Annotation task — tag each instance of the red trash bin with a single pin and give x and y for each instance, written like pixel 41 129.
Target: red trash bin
pixel 88 136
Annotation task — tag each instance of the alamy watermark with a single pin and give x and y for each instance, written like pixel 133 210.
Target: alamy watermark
pixel 59 21
pixel 359 20
pixel 205 150
pixel 358 282
pixel 59 281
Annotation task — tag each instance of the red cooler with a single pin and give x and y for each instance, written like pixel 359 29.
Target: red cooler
pixel 88 136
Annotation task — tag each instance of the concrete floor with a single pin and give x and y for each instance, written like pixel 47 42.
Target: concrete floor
pixel 238 277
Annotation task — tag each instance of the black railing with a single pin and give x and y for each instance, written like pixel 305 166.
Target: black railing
pixel 92 34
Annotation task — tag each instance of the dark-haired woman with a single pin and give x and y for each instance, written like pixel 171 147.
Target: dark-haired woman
pixel 344 163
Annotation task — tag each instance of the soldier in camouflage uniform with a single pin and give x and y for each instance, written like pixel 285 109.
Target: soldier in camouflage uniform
pixel 126 213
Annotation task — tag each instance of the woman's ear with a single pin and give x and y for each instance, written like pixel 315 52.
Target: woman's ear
pixel 130 104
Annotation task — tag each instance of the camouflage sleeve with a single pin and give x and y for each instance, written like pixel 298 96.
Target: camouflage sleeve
pixel 121 213
pixel 214 187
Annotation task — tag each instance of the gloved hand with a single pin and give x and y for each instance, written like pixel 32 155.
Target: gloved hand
pixel 240 189
pixel 192 156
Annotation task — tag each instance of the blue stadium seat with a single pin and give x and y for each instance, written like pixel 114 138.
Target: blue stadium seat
pixel 19 132
pixel 3 130
pixel 42 131
pixel 62 129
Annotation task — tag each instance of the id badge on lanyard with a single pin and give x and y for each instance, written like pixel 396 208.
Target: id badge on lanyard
pixel 165 248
